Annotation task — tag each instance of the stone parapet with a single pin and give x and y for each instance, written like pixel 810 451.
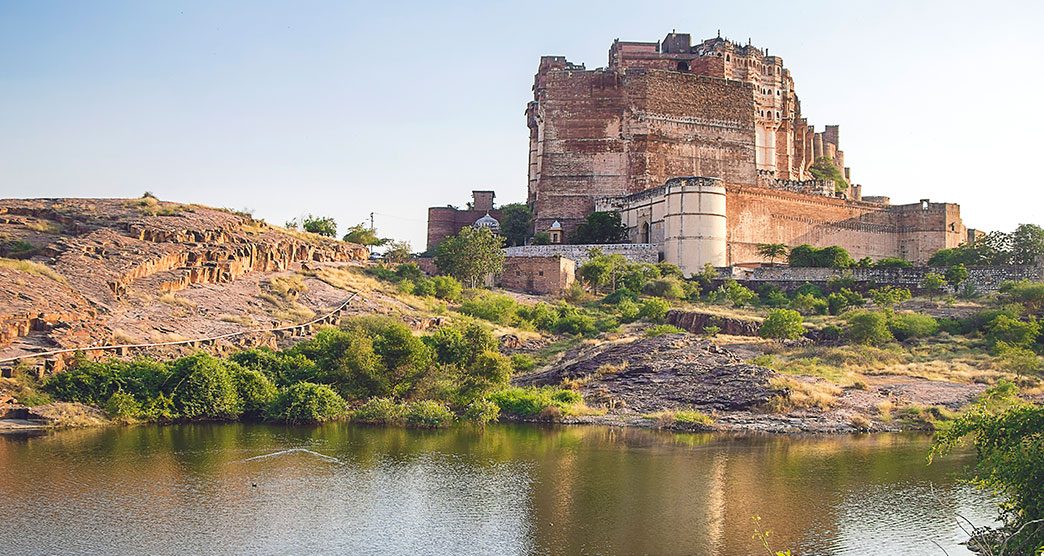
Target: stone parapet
pixel 634 252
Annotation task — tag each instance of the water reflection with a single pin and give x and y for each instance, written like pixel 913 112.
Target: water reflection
pixel 503 490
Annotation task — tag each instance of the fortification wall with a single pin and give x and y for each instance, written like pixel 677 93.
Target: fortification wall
pixel 635 252
pixel 984 278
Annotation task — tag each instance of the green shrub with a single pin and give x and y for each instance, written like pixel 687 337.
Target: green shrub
pixel 654 310
pixel 532 401
pixel 843 299
pixel 345 360
pixel 383 273
pixel 807 304
pixel 668 270
pixel 619 296
pixel 404 358
pixel 711 330
pixel 409 271
pixel 809 288
pixel 887 297
pixel 159 408
pixel 576 324
pixel 498 308
pixel 905 326
pixel 424 287
pixel 522 362
pixel 662 329
pixel 428 414
pixel 825 257
pixel 782 324
pixel 460 344
pixel 122 405
pixel 735 293
pixel 447 288
pixel 1012 331
pixel 283 367
pixel 772 296
pixel 629 310
pixel 482 412
pixel 204 388
pixel 892 262
pixel 307 402
pixel 383 411
pixel 667 288
pixel 256 392
pixel 867 327
pixel 491 370
pixel 541 315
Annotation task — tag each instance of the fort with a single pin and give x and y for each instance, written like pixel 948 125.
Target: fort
pixel 705 153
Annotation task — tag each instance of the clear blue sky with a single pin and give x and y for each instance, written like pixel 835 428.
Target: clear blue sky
pixel 343 108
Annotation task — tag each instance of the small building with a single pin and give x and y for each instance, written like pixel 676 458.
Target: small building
pixel 447 221
pixel 544 275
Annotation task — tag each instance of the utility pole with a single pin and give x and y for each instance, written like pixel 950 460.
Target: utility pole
pixel 371 221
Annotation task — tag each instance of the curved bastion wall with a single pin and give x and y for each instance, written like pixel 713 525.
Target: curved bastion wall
pixel 695 223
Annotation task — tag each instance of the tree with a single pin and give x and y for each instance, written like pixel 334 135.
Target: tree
pixel 322 225
pixel 824 169
pixel 888 297
pixel 471 255
pixel 868 327
pixel 772 251
pixel 783 324
pixel 603 270
pixel 956 274
pixel 364 235
pixel 826 257
pixel 600 228
pixel 516 219
pixel 1027 244
pixel 933 283
pixel 398 252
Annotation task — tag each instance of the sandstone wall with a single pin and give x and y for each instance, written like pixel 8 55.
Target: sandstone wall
pixel 635 252
pixel 549 275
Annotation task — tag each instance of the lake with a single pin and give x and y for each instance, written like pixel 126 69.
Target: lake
pixel 508 489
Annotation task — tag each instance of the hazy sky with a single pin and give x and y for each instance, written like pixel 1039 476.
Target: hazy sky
pixel 343 108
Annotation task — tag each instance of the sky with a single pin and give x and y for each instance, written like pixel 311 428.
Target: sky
pixel 346 108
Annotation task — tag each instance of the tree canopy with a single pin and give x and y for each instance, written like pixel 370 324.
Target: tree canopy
pixel 471 255
pixel 1024 246
pixel 364 235
pixel 820 257
pixel 515 221
pixel 600 228
pixel 322 225
pixel 824 169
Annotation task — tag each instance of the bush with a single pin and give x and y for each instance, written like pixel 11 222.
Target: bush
pixel 629 310
pixel 122 405
pixel 482 412
pixel 490 370
pixel 307 402
pixel 815 257
pixel 498 308
pixel 711 330
pixel 661 329
pixel 735 293
pixel 460 345
pixel 667 288
pixel 905 326
pixel 867 327
pixel 843 299
pixel 1011 331
pixel 783 324
pixel 204 389
pixel 283 367
pixel 806 304
pixel 541 315
pixel 522 362
pixel 771 296
pixel 809 288
pixel 424 287
pixel 447 288
pixel 654 310
pixel 428 414
pixel 576 324
pixel 532 402
pixel 887 297
pixel 383 411
pixel 892 262
pixel 619 296
pixel 256 392
pixel 410 271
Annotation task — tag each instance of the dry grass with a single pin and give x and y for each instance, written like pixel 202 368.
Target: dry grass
pixel 153 207
pixel 44 226
pixel 31 267
pixel 799 394
pixel 860 421
pixel 245 320
pixel 122 337
pixel 170 299
pixel 70 415
pixel 670 417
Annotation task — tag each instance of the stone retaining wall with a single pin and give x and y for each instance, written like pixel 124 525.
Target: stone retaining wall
pixel 984 278
pixel 634 252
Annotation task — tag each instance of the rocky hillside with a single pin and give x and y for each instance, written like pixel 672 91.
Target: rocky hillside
pixel 82 272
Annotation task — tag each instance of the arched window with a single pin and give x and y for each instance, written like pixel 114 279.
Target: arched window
pixel 645 233
pixel 683 66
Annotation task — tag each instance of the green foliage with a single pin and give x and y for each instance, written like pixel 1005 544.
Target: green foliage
pixel 888 297
pixel 255 390
pixel 122 405
pixel 307 402
pixel 816 257
pixel 654 310
pixel 1027 244
pixel 839 301
pixel 905 326
pixel 516 219
pixel 601 228
pixel 482 412
pixel 541 315
pixel 1008 435
pixel 669 270
pixel 490 371
pixel 783 324
pixel 541 238
pixel 619 296
pixel 398 252
pixel 892 262
pixel 667 288
pixel 711 330
pixel 576 324
pixel 204 388
pixel 772 251
pixel 772 296
pixel 322 225
pixel 460 344
pixel 447 288
pixel 470 255
pixel 16 248
pixel 494 307
pixel 363 235
pixel 344 360
pixel 1030 295
pixel 1011 331
pixel 532 402
pixel 428 414
pixel 807 304
pixel 381 411
pixel 522 363
pixel 956 274
pixel 284 368
pixel 606 271
pixel 733 292
pixel 867 327
pixel 1018 360
pixel 933 283
pixel 823 168
pixel 662 329
pixel 628 310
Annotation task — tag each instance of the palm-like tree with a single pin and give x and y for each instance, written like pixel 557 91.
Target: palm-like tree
pixel 772 251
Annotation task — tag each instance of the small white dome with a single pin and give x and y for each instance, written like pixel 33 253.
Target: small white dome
pixel 556 225
pixel 487 221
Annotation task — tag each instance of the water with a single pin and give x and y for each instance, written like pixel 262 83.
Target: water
pixel 342 489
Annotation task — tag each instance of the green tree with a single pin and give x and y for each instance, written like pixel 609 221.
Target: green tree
pixel 307 402
pixel 956 274
pixel 808 256
pixel 600 228
pixel 892 262
pixel 888 297
pixel 471 255
pixel 204 388
pixel 1011 331
pixel 933 283
pixel 772 251
pixel 398 252
pixel 322 225
pixel 364 235
pixel 783 324
pixel 867 327
pixel 1027 244
pixel 516 219
pixel 824 169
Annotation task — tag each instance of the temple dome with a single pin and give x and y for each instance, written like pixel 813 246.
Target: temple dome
pixel 488 221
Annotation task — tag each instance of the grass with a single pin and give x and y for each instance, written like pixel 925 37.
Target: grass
pixel 281 293
pixel 245 320
pixel 152 206
pixel 170 299
pixel 31 267
pixel 44 226
pixel 685 417
pixel 798 394
pixel 931 417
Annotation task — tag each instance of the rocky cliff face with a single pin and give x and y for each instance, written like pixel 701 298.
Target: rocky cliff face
pixel 75 272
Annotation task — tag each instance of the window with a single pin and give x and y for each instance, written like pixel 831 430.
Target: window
pixel 683 66
pixel 728 58
pixel 541 273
